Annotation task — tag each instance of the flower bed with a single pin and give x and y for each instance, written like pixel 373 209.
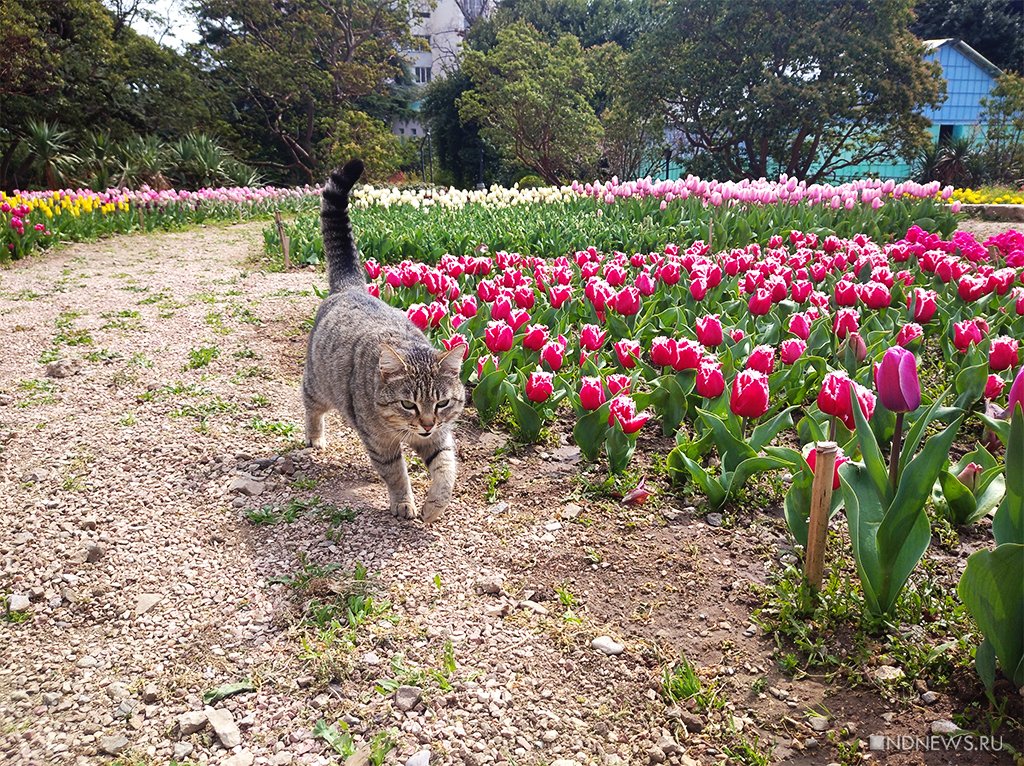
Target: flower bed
pixel 31 220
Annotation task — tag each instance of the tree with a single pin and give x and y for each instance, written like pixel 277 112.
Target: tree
pixel 1002 146
pixel 801 87
pixel 458 144
pixel 994 28
pixel 529 98
pixel 289 68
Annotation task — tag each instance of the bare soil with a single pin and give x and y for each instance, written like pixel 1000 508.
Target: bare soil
pixel 150 586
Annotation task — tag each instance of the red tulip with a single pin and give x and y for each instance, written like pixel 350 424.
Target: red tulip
pixel 875 295
pixel 749 396
pixel 618 384
pixel 623 412
pixel 559 295
pixel 966 333
pixel 419 315
pixel 710 381
pixel 896 380
pixel 592 337
pixel 458 339
pixel 539 386
pixel 482 361
pixel 627 301
pixel 737 335
pixel 791 350
pixel 846 293
pixel 812 461
pixel 688 354
pixel 627 351
pixel 591 393
pixel 536 336
pixel 970 287
pixel 1002 354
pixel 800 325
pixel 908 334
pixel 502 306
pixel 994 387
pixel 709 330
pixel 498 336
pixel 553 354
pixel 517 318
pixel 760 302
pixel 663 351
pixel 645 284
pixel 834 398
pixel 468 307
pixel 846 321
pixel 762 359
pixel 924 304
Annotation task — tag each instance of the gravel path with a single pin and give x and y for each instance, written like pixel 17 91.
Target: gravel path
pixel 148 586
pixel 164 535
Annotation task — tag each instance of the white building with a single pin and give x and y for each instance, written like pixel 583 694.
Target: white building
pixel 441 25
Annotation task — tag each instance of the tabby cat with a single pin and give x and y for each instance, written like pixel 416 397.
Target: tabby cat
pixel 370 363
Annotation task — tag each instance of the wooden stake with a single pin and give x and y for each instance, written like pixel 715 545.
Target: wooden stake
pixel 284 240
pixel 142 224
pixel 821 504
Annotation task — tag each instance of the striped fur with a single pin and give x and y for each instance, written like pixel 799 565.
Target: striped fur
pixel 370 363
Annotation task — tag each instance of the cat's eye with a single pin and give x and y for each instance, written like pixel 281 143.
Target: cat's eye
pixel 406 404
pixel 443 403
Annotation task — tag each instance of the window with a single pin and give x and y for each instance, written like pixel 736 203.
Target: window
pixel 945 134
pixel 422 75
pixel 414 131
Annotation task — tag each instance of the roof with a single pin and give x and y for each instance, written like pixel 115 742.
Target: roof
pixel 967 51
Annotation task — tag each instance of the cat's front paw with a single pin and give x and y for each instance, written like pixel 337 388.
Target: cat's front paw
pixel 432 509
pixel 318 443
pixel 404 510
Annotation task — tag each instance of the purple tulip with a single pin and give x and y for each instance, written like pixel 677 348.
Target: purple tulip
pixel 896 380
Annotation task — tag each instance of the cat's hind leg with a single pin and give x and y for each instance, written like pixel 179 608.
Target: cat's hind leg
pixel 438 455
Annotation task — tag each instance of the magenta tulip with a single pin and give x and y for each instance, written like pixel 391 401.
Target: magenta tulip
pixel 539 386
pixel 896 380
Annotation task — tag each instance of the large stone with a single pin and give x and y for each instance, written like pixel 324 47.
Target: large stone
pixel 607 645
pixel 182 750
pixel 224 726
pixel 18 602
pixel 422 758
pixel 113 745
pixel 944 727
pixel 490 584
pixel 191 722
pixel 243 485
pixel 146 601
pixel 407 697
pixel 63 368
pixel 241 758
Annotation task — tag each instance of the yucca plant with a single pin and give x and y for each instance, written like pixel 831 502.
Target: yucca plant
pixel 49 152
pixel 197 160
pixel 143 160
pixel 98 168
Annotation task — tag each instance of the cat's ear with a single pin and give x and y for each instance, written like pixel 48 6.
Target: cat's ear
pixel 450 362
pixel 392 365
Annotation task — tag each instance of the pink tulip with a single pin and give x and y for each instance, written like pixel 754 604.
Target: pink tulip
pixel 591 393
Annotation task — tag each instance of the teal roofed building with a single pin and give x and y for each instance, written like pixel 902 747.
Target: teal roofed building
pixel 970 77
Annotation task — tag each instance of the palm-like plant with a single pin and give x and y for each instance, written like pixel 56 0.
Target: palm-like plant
pixel 99 161
pixel 143 160
pixel 49 152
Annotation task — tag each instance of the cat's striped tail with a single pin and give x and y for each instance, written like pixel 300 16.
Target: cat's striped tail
pixel 343 263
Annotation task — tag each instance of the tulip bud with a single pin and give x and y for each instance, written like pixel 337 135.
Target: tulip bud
pixel 994 387
pixel 710 380
pixel 762 359
pixel 709 330
pixel 855 344
pixel 969 476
